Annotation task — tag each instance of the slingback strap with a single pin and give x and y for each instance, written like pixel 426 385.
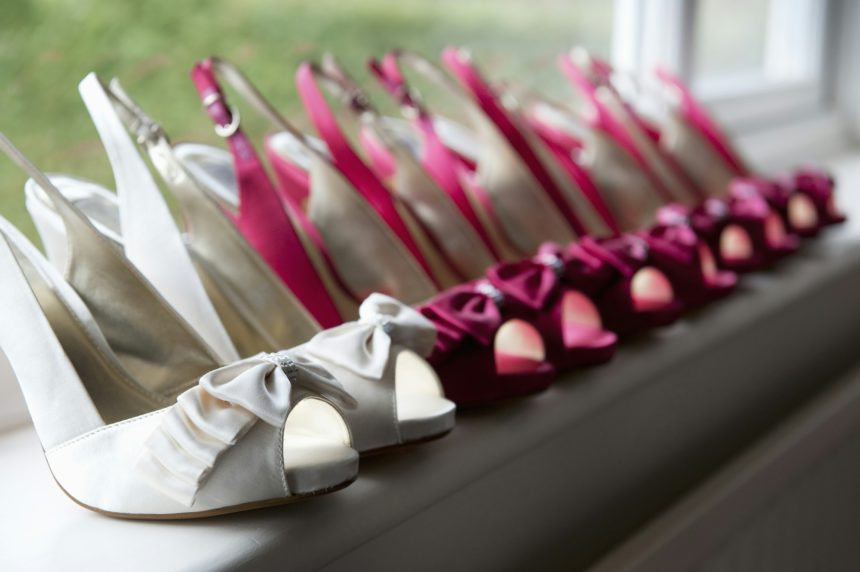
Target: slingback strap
pixel 210 418
pixel 351 165
pixel 562 145
pixel 603 119
pixel 56 398
pixel 459 64
pixel 390 77
pixel 437 159
pixel 699 117
pixel 265 217
pixel 219 249
pixel 457 241
pixel 161 347
pixel 150 238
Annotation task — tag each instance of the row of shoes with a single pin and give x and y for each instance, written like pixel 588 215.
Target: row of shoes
pixel 409 266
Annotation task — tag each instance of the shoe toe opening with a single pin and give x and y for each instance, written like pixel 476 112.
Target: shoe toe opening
pixel 735 243
pixel 518 348
pixel 650 289
pixel 802 213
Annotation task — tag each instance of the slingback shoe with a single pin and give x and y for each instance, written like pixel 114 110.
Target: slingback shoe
pixel 221 269
pixel 626 254
pixel 399 399
pixel 394 167
pixel 805 198
pixel 743 234
pixel 480 166
pixel 430 218
pixel 566 319
pixel 379 360
pixel 335 212
pixel 481 357
pixel 681 254
pixel 259 432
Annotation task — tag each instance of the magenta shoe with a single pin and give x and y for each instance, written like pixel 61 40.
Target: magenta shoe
pixel 480 356
pixel 567 320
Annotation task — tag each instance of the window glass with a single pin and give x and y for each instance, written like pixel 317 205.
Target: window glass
pixel 743 44
pixel 730 39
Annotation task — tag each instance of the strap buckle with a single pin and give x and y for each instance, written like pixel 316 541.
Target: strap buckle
pixel 225 131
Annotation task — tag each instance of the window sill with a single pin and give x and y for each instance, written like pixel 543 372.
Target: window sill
pixel 559 478
pixel 809 138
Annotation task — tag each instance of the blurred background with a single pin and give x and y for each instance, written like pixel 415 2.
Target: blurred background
pixel 47 46
pixel 773 48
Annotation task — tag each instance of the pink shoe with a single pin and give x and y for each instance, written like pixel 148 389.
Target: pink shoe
pixel 743 236
pixel 804 198
pixel 280 225
pixel 567 320
pixel 690 280
pixel 480 356
pixel 452 246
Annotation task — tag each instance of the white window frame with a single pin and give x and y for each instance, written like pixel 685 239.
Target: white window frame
pixel 782 114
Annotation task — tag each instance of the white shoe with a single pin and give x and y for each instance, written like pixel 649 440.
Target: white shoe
pixel 263 431
pixel 399 397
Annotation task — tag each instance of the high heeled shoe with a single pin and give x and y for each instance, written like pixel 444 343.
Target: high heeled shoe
pixel 741 232
pixel 258 432
pixel 377 359
pixel 434 205
pixel 623 201
pixel 480 356
pixel 453 152
pixel 425 207
pixel 805 197
pixel 566 319
pixel 335 211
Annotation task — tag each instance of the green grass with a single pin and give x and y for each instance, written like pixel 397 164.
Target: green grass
pixel 47 46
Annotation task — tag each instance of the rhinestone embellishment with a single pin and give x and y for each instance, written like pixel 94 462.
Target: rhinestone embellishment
pixel 491 292
pixel 552 261
pixel 386 325
pixel 284 362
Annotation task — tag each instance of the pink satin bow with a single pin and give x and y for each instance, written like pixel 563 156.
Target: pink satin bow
pixel 462 313
pixel 813 182
pixel 580 268
pixel 526 282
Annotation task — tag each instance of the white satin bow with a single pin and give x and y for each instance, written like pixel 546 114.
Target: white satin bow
pixel 364 346
pixel 213 416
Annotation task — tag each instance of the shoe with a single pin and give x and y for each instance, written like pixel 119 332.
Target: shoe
pixel 477 158
pixel 398 397
pixel 449 243
pixel 684 257
pixel 625 253
pixel 741 232
pixel 565 317
pixel 379 360
pixel 804 198
pixel 480 357
pixel 335 211
pixel 112 439
pixel 220 267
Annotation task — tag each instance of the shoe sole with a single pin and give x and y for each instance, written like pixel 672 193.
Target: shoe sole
pixel 214 512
